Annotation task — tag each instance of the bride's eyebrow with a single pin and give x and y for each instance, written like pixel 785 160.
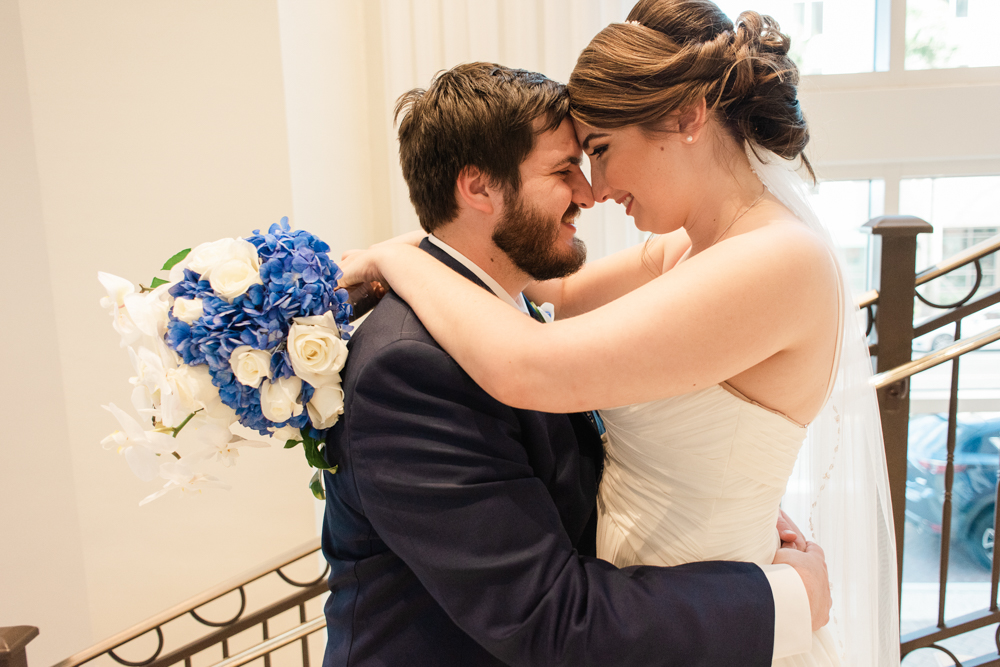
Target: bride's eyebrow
pixel 591 136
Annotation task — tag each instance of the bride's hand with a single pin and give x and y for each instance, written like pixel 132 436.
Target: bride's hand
pixel 791 536
pixel 362 266
pixel 410 238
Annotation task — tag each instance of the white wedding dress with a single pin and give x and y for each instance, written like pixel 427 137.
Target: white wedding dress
pixel 698 477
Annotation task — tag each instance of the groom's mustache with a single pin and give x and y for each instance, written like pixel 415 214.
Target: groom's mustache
pixel 571 214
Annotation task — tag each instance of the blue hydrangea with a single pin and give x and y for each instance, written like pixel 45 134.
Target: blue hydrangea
pixel 298 280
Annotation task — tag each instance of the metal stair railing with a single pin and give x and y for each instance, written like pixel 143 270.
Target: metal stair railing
pixel 890 321
pixel 218 633
pixel 268 647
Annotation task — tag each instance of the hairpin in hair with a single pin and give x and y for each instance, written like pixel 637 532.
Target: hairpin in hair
pixel 634 23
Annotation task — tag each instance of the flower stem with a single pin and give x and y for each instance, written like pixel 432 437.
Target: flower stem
pixel 184 423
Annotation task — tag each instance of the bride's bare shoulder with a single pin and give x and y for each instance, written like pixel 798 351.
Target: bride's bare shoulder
pixel 785 241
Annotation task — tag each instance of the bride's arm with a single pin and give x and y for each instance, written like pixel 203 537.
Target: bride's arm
pixel 604 280
pixel 717 314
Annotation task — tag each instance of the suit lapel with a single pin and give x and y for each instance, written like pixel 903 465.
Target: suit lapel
pixel 452 263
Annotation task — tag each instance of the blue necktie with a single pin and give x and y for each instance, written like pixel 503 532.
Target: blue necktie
pixel 592 415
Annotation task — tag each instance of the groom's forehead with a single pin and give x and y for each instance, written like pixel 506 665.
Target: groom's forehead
pixel 556 148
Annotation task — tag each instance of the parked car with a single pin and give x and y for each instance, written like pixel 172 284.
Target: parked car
pixel 971 325
pixel 977 461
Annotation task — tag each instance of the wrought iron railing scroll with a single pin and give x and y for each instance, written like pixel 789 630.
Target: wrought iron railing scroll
pixel 216 636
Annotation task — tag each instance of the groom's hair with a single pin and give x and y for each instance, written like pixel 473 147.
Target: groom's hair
pixel 478 115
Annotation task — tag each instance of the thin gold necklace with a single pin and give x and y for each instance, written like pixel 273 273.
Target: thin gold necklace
pixel 740 215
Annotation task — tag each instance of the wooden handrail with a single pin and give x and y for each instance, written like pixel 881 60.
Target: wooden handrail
pixel 943 355
pixel 958 260
pixel 273 644
pixel 13 641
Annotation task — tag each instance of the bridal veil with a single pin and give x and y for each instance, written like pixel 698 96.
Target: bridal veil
pixel 839 491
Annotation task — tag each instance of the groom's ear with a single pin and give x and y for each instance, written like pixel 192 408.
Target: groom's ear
pixel 474 190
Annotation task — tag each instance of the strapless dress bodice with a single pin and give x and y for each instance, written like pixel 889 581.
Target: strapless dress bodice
pixel 694 477
pixel 699 477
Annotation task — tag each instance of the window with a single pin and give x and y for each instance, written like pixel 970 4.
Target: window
pixel 951 33
pixel 958 283
pixel 844 206
pixel 827 38
pixel 964 211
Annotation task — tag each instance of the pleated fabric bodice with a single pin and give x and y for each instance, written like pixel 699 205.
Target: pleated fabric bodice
pixel 694 477
pixel 699 477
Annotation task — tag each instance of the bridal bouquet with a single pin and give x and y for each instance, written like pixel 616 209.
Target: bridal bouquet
pixel 245 333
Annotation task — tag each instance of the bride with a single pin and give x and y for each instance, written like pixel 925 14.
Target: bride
pixel 717 349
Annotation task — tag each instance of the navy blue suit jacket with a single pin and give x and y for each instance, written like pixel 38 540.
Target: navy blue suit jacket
pixel 460 531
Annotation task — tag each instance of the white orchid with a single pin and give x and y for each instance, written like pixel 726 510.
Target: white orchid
pixel 118 289
pixel 135 314
pixel 182 477
pixel 226 450
pixel 142 448
pixel 170 391
pixel 149 311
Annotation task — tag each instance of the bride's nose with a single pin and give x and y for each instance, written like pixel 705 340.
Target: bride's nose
pixel 599 187
pixel 583 194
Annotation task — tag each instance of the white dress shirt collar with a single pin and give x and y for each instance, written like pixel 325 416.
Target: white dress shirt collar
pixel 482 275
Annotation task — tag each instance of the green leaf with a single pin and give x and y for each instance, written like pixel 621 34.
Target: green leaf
pixel 291 443
pixel 313 454
pixel 316 485
pixel 170 263
pixel 157 282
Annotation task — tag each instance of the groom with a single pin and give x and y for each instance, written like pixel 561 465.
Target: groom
pixel 461 531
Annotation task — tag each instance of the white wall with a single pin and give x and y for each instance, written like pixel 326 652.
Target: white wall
pixel 129 130
pixel 41 546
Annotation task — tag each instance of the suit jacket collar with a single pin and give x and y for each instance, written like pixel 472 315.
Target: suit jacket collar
pixel 451 262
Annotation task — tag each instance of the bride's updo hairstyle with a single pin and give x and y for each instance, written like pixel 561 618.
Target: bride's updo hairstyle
pixel 672 53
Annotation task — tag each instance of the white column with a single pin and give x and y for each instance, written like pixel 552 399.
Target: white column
pixel 336 115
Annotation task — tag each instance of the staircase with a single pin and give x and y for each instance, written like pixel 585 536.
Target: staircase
pixel 273 611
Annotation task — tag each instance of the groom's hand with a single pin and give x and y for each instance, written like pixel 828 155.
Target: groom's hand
pixel 810 565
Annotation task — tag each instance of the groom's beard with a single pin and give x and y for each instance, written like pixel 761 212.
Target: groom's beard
pixel 531 241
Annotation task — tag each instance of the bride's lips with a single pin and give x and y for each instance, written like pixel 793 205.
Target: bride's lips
pixel 627 201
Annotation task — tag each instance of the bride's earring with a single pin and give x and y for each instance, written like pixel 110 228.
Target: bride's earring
pixel 689 139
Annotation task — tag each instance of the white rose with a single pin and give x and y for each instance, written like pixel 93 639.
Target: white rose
pixel 188 310
pixel 205 257
pixel 284 434
pixel 279 401
pixel 234 277
pixel 316 349
pixel 230 265
pixel 190 390
pixel 249 365
pixel 326 406
pixel 220 413
pixel 198 382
